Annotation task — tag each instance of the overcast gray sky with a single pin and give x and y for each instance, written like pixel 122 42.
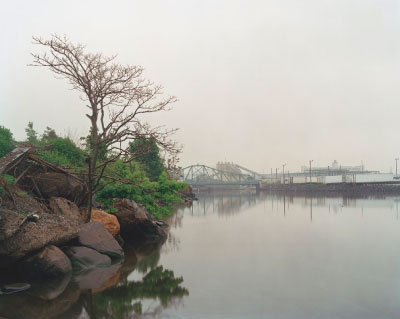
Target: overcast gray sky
pixel 260 83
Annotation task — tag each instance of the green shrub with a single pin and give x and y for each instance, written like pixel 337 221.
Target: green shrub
pixel 23 214
pixel 64 152
pixel 158 197
pixel 31 134
pixel 6 141
pixel 148 154
pixel 49 134
pixel 8 178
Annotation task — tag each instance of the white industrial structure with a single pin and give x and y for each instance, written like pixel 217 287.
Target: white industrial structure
pixel 332 174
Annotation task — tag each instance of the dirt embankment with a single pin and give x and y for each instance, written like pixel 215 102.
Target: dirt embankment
pixel 42 205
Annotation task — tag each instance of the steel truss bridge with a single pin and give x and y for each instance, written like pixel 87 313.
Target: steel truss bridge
pixel 202 175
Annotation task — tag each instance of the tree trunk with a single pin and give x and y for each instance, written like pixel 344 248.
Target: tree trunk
pixel 89 214
pixel 94 146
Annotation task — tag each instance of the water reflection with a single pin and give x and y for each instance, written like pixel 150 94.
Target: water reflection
pixel 243 255
pixel 32 305
pixel 287 256
pixel 136 288
pixel 126 301
pixel 230 203
pixel 224 203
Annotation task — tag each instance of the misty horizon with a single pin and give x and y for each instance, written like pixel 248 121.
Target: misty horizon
pixel 259 83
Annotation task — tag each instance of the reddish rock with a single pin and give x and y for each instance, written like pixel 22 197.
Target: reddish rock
pixel 110 222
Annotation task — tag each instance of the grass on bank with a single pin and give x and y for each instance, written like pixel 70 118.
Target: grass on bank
pixel 154 190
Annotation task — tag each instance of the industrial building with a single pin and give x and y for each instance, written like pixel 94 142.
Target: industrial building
pixel 332 174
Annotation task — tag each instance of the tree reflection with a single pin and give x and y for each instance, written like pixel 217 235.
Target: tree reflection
pixel 124 301
pixel 172 244
pixel 148 263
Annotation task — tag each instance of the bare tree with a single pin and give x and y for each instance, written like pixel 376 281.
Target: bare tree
pixel 115 95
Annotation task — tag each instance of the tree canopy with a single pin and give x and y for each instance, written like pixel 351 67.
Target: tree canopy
pixel 31 134
pixel 146 152
pixel 6 141
pixel 116 97
pixel 49 134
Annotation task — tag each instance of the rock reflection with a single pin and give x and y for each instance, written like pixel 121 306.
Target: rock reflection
pixel 175 221
pixel 27 305
pixel 98 278
pixel 106 292
pixel 137 298
pixel 52 289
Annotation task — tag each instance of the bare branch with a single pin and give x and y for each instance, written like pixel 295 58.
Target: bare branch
pixel 116 96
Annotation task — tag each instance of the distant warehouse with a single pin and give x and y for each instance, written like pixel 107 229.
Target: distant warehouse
pixel 334 169
pixel 332 174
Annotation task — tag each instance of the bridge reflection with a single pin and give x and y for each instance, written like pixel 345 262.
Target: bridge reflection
pixel 223 203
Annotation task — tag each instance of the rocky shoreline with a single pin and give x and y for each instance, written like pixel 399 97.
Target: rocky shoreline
pixel 47 237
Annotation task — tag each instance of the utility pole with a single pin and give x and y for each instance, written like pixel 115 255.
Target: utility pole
pixel 310 169
pixel 396 159
pixel 276 172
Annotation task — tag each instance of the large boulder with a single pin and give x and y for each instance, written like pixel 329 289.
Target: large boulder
pixel 49 263
pixel 18 200
pixel 18 239
pixel 95 236
pixel 110 222
pixel 83 258
pixel 136 222
pixel 10 222
pixel 51 184
pixel 64 207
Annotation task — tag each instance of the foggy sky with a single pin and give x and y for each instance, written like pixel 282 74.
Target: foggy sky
pixel 260 83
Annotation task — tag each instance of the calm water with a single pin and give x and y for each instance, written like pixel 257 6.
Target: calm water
pixel 245 256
